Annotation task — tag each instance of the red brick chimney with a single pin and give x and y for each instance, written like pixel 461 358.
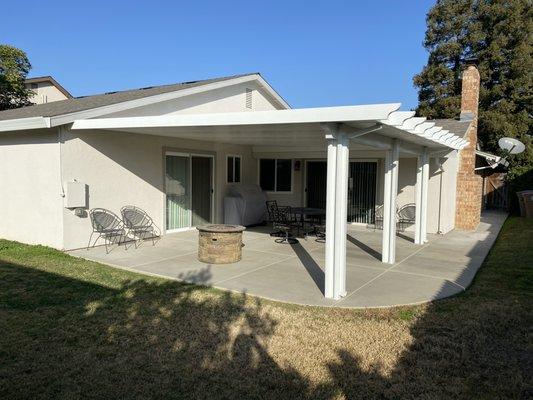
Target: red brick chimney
pixel 468 196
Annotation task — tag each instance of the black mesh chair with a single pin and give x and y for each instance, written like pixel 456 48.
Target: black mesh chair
pixel 406 216
pixel 284 224
pixel 272 209
pixel 106 225
pixel 139 224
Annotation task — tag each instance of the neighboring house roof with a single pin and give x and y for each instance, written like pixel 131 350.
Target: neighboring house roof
pixel 39 79
pixel 85 103
pixel 456 126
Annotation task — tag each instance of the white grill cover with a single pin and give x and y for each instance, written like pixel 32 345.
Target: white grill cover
pixel 245 205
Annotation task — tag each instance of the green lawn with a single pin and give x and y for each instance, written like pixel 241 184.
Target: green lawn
pixel 71 329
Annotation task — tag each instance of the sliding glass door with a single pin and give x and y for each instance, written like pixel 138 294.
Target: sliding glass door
pixel 361 189
pixel 188 189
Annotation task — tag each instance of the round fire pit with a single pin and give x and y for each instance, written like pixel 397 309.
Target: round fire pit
pixel 219 243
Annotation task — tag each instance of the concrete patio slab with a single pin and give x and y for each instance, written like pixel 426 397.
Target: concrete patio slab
pixel 440 268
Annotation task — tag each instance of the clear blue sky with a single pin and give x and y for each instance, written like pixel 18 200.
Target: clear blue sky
pixel 314 53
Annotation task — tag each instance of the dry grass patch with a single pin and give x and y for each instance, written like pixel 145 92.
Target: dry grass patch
pixel 77 329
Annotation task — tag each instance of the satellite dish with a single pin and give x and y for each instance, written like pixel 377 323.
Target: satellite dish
pixel 511 145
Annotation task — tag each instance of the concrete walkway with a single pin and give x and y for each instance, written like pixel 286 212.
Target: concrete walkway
pixel 294 273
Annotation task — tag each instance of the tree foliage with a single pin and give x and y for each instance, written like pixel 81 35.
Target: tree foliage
pixel 499 34
pixel 14 67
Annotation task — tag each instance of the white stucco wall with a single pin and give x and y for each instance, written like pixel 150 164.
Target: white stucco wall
pixel 123 168
pixel 441 204
pixel 30 190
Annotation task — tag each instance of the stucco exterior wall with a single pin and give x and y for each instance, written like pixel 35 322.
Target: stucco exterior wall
pixel 128 169
pixel 30 189
pixel 442 203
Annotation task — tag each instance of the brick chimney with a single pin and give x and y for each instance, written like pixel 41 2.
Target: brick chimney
pixel 469 184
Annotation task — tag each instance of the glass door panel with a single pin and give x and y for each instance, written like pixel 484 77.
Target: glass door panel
pixel 201 189
pixel 177 185
pixel 362 192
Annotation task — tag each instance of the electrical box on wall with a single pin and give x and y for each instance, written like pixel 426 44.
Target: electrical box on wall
pixel 76 195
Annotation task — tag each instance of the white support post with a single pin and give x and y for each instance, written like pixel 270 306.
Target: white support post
pixel 390 193
pixel 341 200
pixel 336 210
pixel 329 274
pixel 418 201
pixel 424 196
pixel 422 183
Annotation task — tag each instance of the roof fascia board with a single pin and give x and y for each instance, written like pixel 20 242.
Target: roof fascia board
pixel 126 105
pixel 272 92
pixel 24 123
pixel 292 116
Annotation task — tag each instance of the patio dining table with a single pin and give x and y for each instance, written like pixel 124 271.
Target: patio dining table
pixel 302 212
pixel 308 211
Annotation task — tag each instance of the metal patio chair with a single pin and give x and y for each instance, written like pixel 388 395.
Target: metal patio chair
pixel 406 215
pixel 139 224
pixel 378 217
pixel 107 225
pixel 285 225
pixel 272 209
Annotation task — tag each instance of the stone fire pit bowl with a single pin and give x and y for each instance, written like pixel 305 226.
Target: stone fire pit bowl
pixel 219 243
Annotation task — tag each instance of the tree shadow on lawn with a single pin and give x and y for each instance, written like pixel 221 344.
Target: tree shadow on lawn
pixel 66 338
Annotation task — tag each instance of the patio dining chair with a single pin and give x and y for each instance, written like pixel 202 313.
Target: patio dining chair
pixel 139 224
pixel 108 226
pixel 378 217
pixel 406 215
pixel 272 209
pixel 283 223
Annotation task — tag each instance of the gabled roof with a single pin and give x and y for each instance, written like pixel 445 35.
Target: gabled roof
pixel 79 104
pixel 48 78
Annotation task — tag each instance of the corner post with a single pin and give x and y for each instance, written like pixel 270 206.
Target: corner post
pixel 389 204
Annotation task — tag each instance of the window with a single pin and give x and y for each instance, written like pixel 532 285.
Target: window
pixel 233 168
pixel 275 175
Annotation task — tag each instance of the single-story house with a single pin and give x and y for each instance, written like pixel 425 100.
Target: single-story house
pixel 174 151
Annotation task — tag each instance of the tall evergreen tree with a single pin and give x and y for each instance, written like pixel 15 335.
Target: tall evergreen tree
pixel 499 33
pixel 14 67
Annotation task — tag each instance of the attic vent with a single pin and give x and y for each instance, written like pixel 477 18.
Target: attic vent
pixel 249 98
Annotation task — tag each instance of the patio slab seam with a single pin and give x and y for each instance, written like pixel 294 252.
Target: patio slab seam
pixel 405 272
pixel 254 270
pixel 384 272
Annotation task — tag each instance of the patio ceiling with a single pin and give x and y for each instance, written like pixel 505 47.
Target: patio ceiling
pixel 369 126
